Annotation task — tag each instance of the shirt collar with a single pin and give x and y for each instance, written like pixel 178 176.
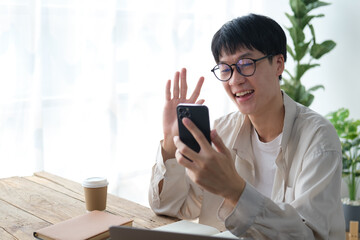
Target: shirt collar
pixel 242 144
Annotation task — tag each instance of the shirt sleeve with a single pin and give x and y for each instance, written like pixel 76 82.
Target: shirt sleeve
pixel 309 216
pixel 180 197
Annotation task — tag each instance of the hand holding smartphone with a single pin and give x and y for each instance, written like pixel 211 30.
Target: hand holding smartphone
pixel 199 115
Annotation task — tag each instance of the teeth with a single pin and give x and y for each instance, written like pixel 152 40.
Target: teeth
pixel 240 94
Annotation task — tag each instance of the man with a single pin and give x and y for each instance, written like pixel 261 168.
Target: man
pixel 274 171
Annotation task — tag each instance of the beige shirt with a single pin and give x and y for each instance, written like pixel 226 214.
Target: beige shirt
pixel 305 201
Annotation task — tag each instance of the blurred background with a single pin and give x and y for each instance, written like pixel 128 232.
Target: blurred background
pixel 82 81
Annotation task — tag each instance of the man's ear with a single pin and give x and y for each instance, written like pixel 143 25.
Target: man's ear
pixel 280 64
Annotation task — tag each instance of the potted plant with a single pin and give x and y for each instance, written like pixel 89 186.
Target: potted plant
pixel 349 134
pixel 304 50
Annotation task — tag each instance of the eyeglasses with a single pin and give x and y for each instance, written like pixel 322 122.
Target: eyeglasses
pixel 245 66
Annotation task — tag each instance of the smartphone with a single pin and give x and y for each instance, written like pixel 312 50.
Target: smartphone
pixel 199 115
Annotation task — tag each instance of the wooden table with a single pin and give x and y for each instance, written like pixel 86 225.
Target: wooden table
pixel 30 203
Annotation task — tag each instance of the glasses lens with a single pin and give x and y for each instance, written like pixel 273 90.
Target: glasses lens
pixel 222 72
pixel 246 66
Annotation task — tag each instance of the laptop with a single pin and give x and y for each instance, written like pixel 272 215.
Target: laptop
pixel 132 233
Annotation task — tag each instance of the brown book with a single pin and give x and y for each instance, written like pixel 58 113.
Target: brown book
pixel 93 225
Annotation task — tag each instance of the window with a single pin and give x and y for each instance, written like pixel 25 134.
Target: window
pixel 82 82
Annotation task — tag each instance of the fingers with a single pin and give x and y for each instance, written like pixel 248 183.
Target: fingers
pixel 183 88
pixel 184 154
pixel 197 134
pixel 197 90
pixel 183 160
pixel 176 85
pixel 180 88
pixel 218 143
pixel 167 91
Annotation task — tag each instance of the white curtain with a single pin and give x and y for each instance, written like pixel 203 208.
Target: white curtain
pixel 82 82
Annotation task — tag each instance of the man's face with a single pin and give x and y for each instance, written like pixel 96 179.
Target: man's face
pixel 257 94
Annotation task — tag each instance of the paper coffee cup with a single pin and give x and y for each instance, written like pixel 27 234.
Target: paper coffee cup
pixel 95 189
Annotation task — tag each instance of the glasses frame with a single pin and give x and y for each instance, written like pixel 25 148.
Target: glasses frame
pixel 238 69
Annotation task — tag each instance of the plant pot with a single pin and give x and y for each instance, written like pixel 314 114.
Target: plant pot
pixel 351 212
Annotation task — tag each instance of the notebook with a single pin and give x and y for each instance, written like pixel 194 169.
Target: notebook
pixel 132 233
pixel 186 226
pixel 93 225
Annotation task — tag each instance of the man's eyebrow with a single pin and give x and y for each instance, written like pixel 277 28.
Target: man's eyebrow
pixel 247 54
pixel 244 55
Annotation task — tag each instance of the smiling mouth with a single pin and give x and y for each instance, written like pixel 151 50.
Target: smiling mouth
pixel 243 94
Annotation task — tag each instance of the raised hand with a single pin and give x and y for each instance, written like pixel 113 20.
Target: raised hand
pixel 178 95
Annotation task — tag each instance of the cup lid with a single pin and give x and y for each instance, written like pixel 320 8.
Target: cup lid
pixel 95 182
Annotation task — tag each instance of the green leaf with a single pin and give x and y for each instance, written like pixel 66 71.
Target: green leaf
pixel 346 165
pixel 314 88
pixel 301 49
pixel 291 76
pixel 304 97
pixel 352 128
pixel 346 146
pixel 291 87
pixel 309 1
pixel 312 33
pixel 314 5
pixel 357 122
pixel 289 50
pixel 298 7
pixel 292 19
pixel 342 114
pixel 297 35
pixel 302 68
pixel 301 22
pixel 308 100
pixel 318 50
pixel 305 20
pixel 288 88
pixel 357 142
pixel 351 135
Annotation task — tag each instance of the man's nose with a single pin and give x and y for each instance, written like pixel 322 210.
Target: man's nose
pixel 236 78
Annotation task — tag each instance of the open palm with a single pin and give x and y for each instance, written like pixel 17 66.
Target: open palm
pixel 170 126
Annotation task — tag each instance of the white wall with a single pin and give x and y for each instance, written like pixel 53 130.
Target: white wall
pixel 339 71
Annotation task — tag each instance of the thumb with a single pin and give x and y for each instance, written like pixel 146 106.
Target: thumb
pixel 217 141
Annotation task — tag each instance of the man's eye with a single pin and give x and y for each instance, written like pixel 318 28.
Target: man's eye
pixel 225 70
pixel 243 65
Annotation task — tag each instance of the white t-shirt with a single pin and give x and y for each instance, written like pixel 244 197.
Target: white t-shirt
pixel 265 156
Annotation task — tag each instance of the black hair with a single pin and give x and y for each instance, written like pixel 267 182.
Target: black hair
pixel 252 32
